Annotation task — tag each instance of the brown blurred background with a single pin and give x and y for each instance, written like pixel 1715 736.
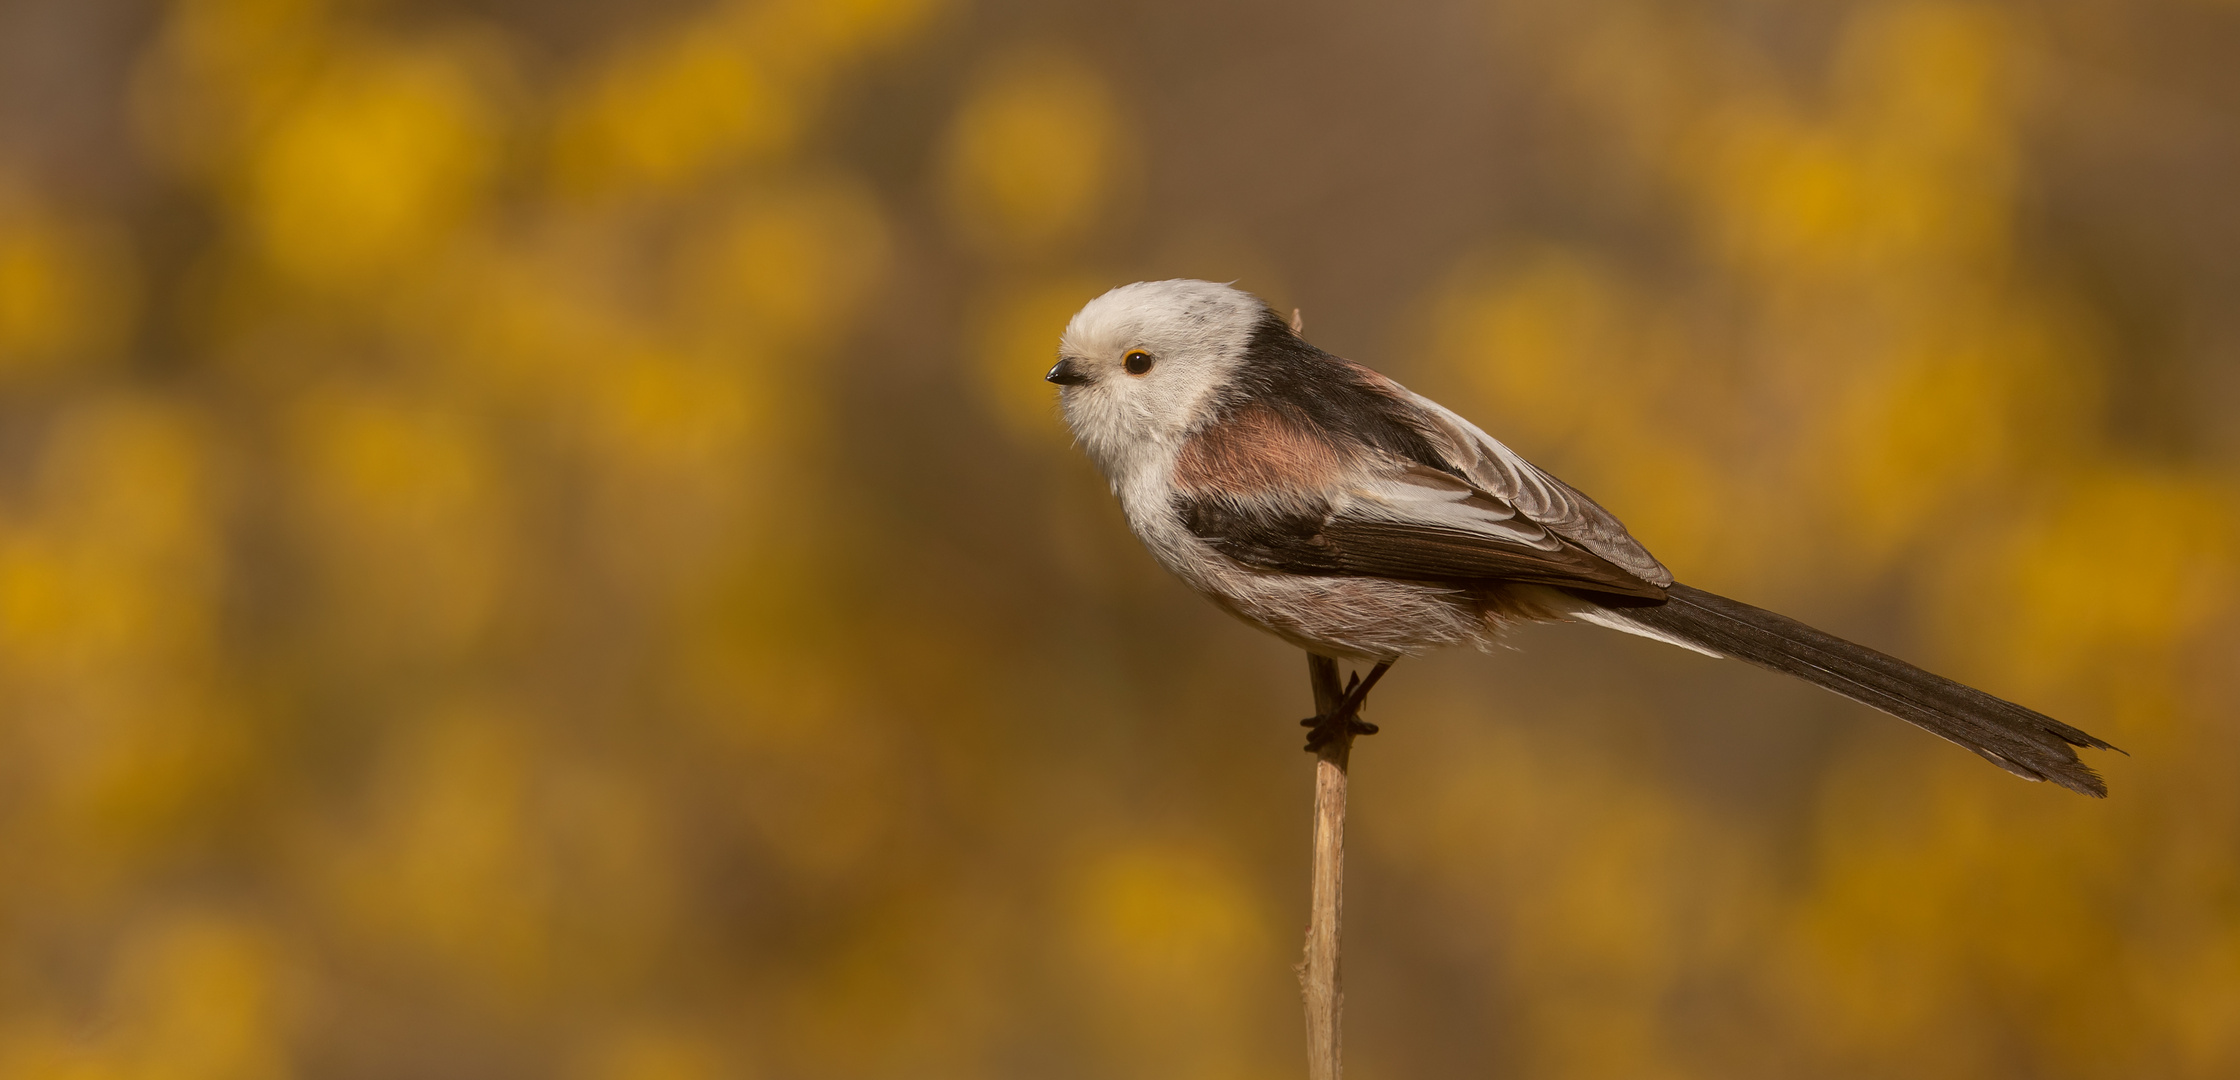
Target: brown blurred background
pixel 532 543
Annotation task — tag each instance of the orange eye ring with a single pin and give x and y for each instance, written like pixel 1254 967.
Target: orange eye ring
pixel 1137 361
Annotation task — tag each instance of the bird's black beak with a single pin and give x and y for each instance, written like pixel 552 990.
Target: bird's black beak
pixel 1066 373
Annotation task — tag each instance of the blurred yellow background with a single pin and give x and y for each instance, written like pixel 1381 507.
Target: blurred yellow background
pixel 532 543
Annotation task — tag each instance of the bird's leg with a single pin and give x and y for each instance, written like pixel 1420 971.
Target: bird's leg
pixel 1347 716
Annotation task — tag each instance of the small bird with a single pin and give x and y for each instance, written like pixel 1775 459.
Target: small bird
pixel 1326 504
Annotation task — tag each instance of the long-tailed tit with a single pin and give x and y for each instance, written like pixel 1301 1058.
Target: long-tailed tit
pixel 1328 505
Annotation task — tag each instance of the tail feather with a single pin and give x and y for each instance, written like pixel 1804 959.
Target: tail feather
pixel 2029 744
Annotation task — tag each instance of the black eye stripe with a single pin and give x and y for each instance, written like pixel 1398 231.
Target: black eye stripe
pixel 1137 361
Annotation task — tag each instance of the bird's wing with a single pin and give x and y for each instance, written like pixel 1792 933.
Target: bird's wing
pixel 1415 492
pixel 1415 523
pixel 1553 504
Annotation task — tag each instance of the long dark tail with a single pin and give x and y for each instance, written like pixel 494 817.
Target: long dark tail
pixel 2028 744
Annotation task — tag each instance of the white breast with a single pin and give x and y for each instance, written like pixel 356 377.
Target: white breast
pixel 1145 486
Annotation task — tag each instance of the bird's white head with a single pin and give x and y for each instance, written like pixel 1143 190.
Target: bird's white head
pixel 1141 366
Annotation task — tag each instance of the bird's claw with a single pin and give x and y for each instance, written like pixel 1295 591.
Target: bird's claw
pixel 1345 719
pixel 1323 729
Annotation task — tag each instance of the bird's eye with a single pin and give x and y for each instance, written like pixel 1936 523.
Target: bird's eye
pixel 1138 361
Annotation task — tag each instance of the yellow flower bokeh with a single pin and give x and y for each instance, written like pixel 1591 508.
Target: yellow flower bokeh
pixel 532 542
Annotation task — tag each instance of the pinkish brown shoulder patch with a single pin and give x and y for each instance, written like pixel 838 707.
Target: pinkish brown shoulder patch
pixel 1255 451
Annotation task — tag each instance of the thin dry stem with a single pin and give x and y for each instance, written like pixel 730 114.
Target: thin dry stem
pixel 1318 972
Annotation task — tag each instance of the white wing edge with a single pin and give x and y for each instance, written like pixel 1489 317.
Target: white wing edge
pixel 1579 609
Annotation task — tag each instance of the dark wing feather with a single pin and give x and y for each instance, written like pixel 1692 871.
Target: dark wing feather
pixel 1485 462
pixel 1420 525
pixel 1409 552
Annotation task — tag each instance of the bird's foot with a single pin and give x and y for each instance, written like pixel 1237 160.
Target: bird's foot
pixel 1325 730
pixel 1344 721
